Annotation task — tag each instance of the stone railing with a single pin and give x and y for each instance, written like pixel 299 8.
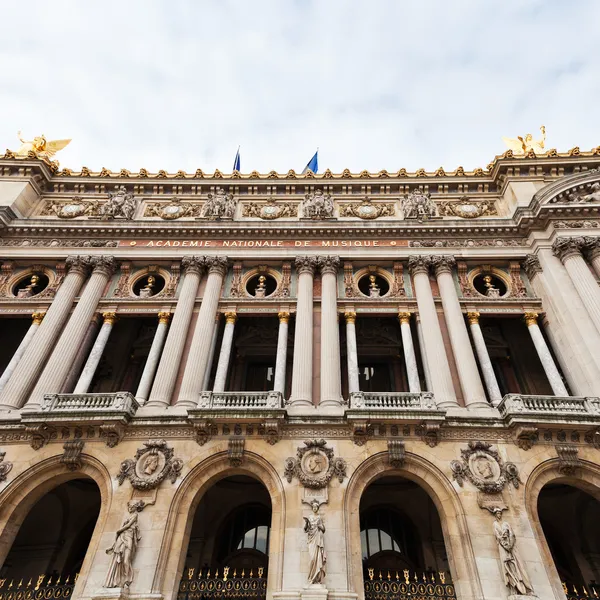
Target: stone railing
pixel 399 401
pixel 119 402
pixel 240 400
pixel 545 408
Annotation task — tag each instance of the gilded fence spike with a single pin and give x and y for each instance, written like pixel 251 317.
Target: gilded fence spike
pixel 251 573
pixel 29 582
pixel 371 572
pixel 261 570
pixel 40 580
pixel 2 582
pixel 406 575
pixel 225 573
pixel 20 584
pixel 442 577
pixel 389 576
pixel 191 572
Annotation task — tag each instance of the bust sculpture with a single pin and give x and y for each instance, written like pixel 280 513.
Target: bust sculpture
pixel 491 290
pixel 261 288
pixel 374 290
pixel 148 289
pixel 30 289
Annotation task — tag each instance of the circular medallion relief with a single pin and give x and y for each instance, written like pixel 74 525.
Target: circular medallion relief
pixel 150 464
pixel 315 463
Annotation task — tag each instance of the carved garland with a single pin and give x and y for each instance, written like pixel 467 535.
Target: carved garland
pixel 315 477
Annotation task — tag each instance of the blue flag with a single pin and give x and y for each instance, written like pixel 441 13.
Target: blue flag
pixel 313 163
pixel 236 162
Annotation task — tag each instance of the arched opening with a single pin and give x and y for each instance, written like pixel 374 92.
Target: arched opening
pixel 570 520
pixel 402 542
pixel 52 541
pixel 228 551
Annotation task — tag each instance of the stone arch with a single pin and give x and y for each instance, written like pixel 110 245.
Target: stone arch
pixel 20 495
pixel 586 478
pixel 438 487
pixel 185 502
pixel 558 190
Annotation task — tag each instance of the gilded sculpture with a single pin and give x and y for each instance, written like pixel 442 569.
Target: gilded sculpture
pixel 40 147
pixel 524 145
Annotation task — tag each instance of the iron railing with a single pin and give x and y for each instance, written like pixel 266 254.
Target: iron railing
pixel 228 584
pixel 404 585
pixel 42 587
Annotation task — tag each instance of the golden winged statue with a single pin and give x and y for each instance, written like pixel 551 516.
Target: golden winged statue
pixel 524 145
pixel 40 147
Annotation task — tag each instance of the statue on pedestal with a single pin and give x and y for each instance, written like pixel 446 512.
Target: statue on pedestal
pixel 491 291
pixel 315 530
pixel 30 289
pixel 261 288
pixel 374 290
pixel 148 289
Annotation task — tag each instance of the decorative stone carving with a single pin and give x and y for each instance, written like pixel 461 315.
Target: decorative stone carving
pixel 315 465
pixel 568 459
pixel 120 204
pixel 236 290
pixel 564 247
pixel 526 436
pixel 219 205
pixel 175 209
pixel 518 289
pixel 314 527
pixel 306 264
pixel 367 210
pixel 361 430
pixel 532 265
pixel 269 210
pixel 112 433
pixel 204 431
pixel 76 207
pixel 272 431
pixel 5 467
pixel 235 451
pixel 283 289
pixel 317 206
pixel 482 466
pixel 350 288
pixel 463 280
pixel 575 195
pixel 429 433
pixel 120 571
pixel 443 264
pixel 122 289
pixel 397 289
pixel 419 264
pixel 468 209
pixel 39 435
pixel 396 453
pixel 106 264
pixel 71 457
pixel 328 264
pixel 419 205
pixel 151 465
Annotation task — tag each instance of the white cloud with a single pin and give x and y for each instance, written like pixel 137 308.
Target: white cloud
pixel 385 84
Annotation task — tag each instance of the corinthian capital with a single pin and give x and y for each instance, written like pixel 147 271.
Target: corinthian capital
pixel 217 264
pixel 532 266
pixel 592 246
pixel 305 264
pixel 79 264
pixel 443 264
pixel 419 264
pixel 328 264
pixel 566 247
pixel 106 265
pixel 193 264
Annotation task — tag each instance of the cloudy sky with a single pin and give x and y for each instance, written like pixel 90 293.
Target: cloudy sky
pixel 374 84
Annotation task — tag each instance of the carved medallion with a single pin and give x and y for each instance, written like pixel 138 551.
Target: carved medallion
pixel 175 209
pixel 468 209
pixel 367 210
pixel 483 467
pixel 270 210
pixel 315 465
pixel 151 465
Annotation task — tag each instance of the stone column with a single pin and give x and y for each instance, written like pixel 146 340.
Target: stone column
pixel 170 360
pixel 195 367
pixel 331 370
pixel 303 336
pixel 65 351
pixel 569 250
pixel 14 361
pixel 592 245
pixel 84 351
pixel 211 355
pixel 414 385
pixel 435 352
pixel 468 374
pixel 484 359
pixel 19 386
pixel 151 365
pixel 225 354
pixel 281 359
pixel 423 354
pixel 85 379
pixel 352 352
pixel 556 382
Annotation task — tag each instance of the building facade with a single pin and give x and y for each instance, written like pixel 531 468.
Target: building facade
pixel 301 386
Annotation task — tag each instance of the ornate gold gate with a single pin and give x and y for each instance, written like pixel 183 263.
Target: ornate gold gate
pixel 392 585
pixel 228 584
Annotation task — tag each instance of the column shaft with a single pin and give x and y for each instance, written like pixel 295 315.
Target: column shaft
pixel 352 353
pixel 435 352
pixel 281 359
pixel 197 360
pixel 85 379
pixel 170 359
pixel 19 386
pixel 14 361
pixel 151 365
pixel 57 368
pixel 556 382
pixel 484 359
pixel 84 351
pixel 211 354
pixel 225 354
pixel 414 385
pixel 428 386
pixel 303 336
pixel 464 358
pixel 331 373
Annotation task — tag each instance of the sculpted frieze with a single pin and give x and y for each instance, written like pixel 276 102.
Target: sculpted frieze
pixel 318 206
pixel 219 205
pixel 315 465
pixel 419 205
pixel 467 209
pixel 150 466
pixel 367 210
pixel 269 210
pixel 175 209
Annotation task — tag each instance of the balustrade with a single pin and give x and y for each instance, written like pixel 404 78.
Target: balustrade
pixel 90 403
pixel 228 400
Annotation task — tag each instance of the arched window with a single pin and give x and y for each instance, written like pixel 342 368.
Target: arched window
pixel 247 528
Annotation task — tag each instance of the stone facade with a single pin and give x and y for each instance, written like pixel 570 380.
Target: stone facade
pixel 348 343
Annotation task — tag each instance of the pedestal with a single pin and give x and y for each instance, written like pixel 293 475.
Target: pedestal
pixel 314 591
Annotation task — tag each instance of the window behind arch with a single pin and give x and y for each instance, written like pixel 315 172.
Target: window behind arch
pixel 247 528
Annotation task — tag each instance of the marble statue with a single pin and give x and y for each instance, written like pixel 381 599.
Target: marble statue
pixel 219 205
pixel 593 196
pixel 515 577
pixel 120 571
pixel 317 206
pixel 40 146
pixel 119 204
pixel 524 145
pixel 315 531
pixel 419 205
